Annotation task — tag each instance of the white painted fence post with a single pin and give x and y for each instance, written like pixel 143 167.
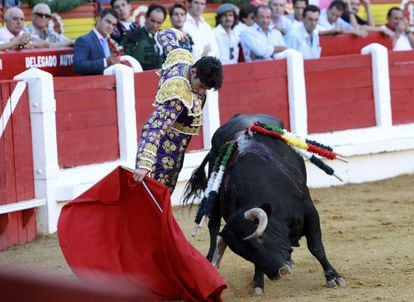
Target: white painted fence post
pixel 211 115
pixel 127 123
pixel 381 83
pixel 44 145
pixel 298 112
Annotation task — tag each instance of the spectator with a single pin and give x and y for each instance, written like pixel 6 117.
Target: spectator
pixel 140 42
pixel 125 24
pixel 259 41
pixel 178 15
pixel 304 38
pixel 39 28
pixel 331 23
pixel 201 32
pixel 227 39
pixel 279 20
pixel 403 38
pixel 350 16
pixel 298 7
pixel 138 16
pixel 246 17
pixel 56 23
pixel 12 35
pixel 351 10
pixel 91 54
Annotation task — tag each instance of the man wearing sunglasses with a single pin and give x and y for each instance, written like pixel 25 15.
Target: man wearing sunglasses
pixel 39 28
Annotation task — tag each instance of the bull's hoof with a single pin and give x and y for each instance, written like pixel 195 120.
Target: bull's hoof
pixel 258 291
pixel 336 282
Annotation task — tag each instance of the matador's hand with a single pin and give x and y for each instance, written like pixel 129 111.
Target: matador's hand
pixel 139 174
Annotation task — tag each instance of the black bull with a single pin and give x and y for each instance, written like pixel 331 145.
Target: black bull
pixel 264 201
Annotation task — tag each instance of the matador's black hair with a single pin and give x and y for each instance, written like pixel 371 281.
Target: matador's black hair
pixel 210 72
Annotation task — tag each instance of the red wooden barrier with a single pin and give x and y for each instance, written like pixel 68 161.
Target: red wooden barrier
pixel 402 87
pixel 339 97
pixel 349 44
pixel 16 171
pixel 259 87
pixel 86 120
pixel 57 61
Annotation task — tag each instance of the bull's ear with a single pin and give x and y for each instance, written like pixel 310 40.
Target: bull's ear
pixel 267 208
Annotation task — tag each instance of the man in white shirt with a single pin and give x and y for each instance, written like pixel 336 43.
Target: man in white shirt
pixel 259 41
pixel 246 17
pixel 201 32
pixel 331 23
pixel 178 15
pixel 402 37
pixel 12 36
pixel 331 18
pixel 226 37
pixel 304 38
pixel 298 7
pixel 279 21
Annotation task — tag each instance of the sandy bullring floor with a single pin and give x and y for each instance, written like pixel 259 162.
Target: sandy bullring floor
pixel 368 232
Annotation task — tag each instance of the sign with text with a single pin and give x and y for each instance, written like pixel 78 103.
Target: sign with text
pixel 56 61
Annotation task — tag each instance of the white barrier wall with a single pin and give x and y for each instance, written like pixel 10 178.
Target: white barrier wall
pixel 373 153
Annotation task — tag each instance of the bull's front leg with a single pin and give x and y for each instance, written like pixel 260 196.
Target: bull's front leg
pixel 258 281
pixel 333 278
pixel 219 252
pixel 213 228
pixel 313 236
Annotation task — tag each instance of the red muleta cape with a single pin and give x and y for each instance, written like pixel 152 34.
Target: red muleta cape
pixel 115 229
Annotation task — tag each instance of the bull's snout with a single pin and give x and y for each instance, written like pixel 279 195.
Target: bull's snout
pixel 282 272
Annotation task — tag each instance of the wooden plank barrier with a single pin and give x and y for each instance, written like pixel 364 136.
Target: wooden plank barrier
pixel 339 96
pixel 402 89
pixel 349 44
pixel 56 61
pixel 259 87
pixel 86 120
pixel 17 225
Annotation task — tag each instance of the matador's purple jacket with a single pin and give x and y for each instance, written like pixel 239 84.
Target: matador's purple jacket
pixel 178 115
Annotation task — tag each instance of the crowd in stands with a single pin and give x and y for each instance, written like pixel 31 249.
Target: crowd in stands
pixel 253 31
pixel 45 31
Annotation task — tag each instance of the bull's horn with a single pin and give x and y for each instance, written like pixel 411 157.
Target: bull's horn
pixel 256 213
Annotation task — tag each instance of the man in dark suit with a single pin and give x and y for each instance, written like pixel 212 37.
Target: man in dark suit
pixel 125 24
pixel 140 42
pixel 91 53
